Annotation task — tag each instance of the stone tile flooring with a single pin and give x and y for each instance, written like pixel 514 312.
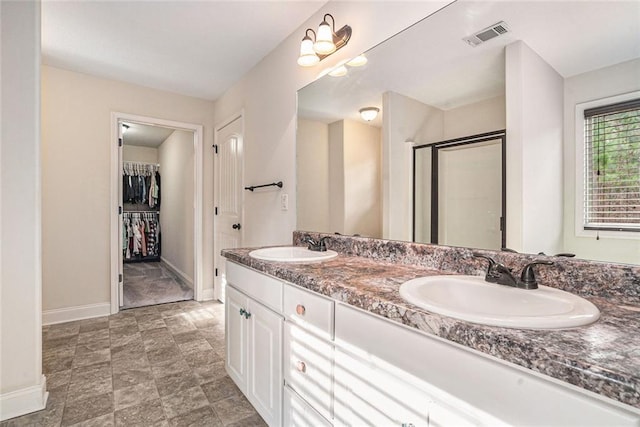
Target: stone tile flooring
pixel 149 283
pixel 153 366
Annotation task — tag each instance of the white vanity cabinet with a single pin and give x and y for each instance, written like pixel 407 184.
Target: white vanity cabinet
pixel 254 329
pixel 343 366
pixel 392 366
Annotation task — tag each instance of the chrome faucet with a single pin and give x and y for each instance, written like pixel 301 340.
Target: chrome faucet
pixel 317 246
pixel 502 275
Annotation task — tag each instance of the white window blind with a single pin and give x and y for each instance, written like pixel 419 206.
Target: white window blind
pixel 612 167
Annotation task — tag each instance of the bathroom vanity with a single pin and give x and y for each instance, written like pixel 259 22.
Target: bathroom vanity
pixel 333 343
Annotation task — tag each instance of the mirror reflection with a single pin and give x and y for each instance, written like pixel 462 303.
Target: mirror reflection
pixel 530 75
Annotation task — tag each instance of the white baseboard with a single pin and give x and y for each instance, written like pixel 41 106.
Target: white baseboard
pixel 24 401
pixel 207 295
pixel 179 272
pixel 60 315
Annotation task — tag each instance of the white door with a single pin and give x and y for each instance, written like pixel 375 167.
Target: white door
pixel 470 195
pixel 228 210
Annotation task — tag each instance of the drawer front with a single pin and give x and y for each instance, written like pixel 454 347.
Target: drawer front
pixel 308 368
pixel 310 310
pixel 298 413
pixel 258 286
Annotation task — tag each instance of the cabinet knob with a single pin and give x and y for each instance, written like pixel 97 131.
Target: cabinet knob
pixel 300 309
pixel 242 312
pixel 301 367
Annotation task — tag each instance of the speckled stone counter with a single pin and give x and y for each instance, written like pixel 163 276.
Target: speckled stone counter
pixel 603 357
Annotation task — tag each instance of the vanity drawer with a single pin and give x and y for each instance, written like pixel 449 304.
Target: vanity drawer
pixel 308 367
pixel 310 310
pixel 298 413
pixel 258 286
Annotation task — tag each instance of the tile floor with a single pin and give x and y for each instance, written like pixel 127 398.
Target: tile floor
pixel 153 366
pixel 149 283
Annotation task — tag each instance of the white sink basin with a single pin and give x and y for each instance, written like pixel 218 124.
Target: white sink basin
pixel 291 254
pixel 472 299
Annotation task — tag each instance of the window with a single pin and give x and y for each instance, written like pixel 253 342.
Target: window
pixel 612 167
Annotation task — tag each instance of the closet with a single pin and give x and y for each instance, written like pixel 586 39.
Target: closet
pixel 141 196
pixel 157 215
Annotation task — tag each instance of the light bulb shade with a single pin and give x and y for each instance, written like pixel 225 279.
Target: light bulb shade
pixel 307 56
pixel 369 113
pixel 340 71
pixel 324 40
pixel 358 61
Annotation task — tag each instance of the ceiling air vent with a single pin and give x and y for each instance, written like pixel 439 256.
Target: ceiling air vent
pixel 487 34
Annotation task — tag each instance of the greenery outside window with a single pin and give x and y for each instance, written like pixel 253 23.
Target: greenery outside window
pixel 612 167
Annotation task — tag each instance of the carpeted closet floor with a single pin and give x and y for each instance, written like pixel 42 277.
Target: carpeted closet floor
pixel 150 283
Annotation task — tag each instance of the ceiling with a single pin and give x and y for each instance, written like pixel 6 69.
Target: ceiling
pixel 194 48
pixel 142 135
pixel 431 63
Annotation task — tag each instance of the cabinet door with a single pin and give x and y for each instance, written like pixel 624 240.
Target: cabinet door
pixel 236 328
pixel 298 413
pixel 366 394
pixel 265 363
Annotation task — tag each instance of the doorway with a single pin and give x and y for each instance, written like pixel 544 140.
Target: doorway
pixel 157 197
pixel 459 192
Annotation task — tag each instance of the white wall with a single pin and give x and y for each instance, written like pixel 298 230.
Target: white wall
pixel 615 80
pixel 534 94
pixel 268 95
pixel 176 158
pixel 22 385
pixel 134 153
pixel 405 119
pixel 336 177
pixel 76 166
pixel 362 177
pixel 312 175
pixel 473 119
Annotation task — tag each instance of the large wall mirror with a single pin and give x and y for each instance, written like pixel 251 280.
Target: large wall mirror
pixel 526 75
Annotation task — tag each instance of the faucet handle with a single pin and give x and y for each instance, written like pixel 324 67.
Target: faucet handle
pixel 528 277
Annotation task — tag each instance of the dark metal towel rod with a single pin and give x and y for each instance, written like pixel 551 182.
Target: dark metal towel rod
pixel 273 184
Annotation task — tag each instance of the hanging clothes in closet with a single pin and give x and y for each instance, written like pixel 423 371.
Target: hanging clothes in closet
pixel 141 184
pixel 141 236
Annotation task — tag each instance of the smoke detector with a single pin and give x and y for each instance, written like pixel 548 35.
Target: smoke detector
pixel 487 34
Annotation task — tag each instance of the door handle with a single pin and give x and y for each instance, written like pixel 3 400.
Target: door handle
pixel 236 226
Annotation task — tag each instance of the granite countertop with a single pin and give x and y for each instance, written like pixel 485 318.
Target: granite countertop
pixel 603 357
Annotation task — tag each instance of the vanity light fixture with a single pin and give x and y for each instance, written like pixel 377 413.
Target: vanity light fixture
pixel 358 61
pixel 340 71
pixel 324 43
pixel 369 113
pixel 125 127
pixel 308 56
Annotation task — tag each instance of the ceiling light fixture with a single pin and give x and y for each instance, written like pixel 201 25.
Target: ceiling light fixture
pixel 369 113
pixel 324 43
